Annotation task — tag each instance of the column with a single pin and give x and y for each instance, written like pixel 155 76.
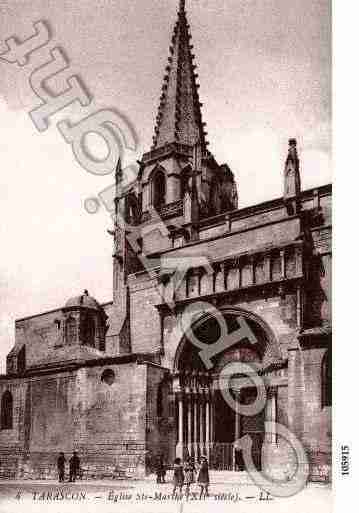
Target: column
pixel 296 405
pixel 267 267
pixel 207 421
pixel 211 425
pixel 282 264
pixel 270 416
pixel 299 260
pixel 253 269
pixel 237 432
pixel 179 447
pixel 195 426
pixel 201 426
pixel 211 431
pixel 237 428
pixel 274 416
pixel 189 424
pixel 299 307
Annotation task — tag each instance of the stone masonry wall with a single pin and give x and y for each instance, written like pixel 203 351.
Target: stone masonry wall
pixel 104 422
pixel 11 440
pixel 160 424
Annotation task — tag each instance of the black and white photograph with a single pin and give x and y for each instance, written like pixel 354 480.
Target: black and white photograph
pixel 166 256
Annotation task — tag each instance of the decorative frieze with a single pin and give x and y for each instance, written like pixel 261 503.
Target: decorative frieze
pixel 269 267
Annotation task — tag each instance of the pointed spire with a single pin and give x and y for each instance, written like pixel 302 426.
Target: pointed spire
pixel 118 177
pixel 292 154
pixel 292 186
pixel 179 117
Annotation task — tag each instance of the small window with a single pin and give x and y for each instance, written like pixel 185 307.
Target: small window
pixel 108 377
pixel 6 410
pixel 327 379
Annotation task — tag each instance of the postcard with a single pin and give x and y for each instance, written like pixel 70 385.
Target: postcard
pixel 166 263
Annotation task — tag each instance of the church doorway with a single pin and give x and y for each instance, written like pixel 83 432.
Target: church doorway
pixel 206 423
pixel 229 427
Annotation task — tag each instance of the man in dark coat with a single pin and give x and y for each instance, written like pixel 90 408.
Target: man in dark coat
pixel 61 467
pixel 74 467
pixel 160 469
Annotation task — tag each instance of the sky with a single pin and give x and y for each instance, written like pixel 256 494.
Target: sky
pixel 264 70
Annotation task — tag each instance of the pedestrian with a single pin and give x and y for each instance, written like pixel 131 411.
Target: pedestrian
pixel 238 460
pixel 178 476
pixel 74 467
pixel 61 467
pixel 160 469
pixel 189 472
pixel 163 473
pixel 203 477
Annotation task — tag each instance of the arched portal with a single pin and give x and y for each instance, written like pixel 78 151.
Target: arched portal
pixel 206 423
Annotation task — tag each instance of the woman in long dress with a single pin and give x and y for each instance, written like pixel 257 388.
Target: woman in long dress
pixel 203 477
pixel 189 471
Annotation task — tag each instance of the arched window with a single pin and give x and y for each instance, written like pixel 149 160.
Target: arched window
pixel 89 331
pixel 185 181
pixel 327 379
pixel 132 209
pixel 6 410
pixel 71 330
pixel 158 190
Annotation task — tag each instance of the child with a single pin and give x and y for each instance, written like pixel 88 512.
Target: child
pixel 203 478
pixel 188 470
pixel 178 476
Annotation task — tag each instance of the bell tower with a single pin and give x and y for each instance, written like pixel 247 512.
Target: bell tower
pixel 125 259
pixel 179 136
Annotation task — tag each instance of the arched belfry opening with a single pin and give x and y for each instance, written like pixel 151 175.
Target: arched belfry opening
pixel 158 191
pixel 206 423
pixel 185 180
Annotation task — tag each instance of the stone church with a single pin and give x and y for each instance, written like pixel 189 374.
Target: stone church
pixel 122 382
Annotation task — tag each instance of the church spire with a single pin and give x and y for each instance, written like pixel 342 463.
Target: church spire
pixel 179 116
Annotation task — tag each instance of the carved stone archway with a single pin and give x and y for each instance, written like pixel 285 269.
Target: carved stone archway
pixel 270 347
pixel 205 422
